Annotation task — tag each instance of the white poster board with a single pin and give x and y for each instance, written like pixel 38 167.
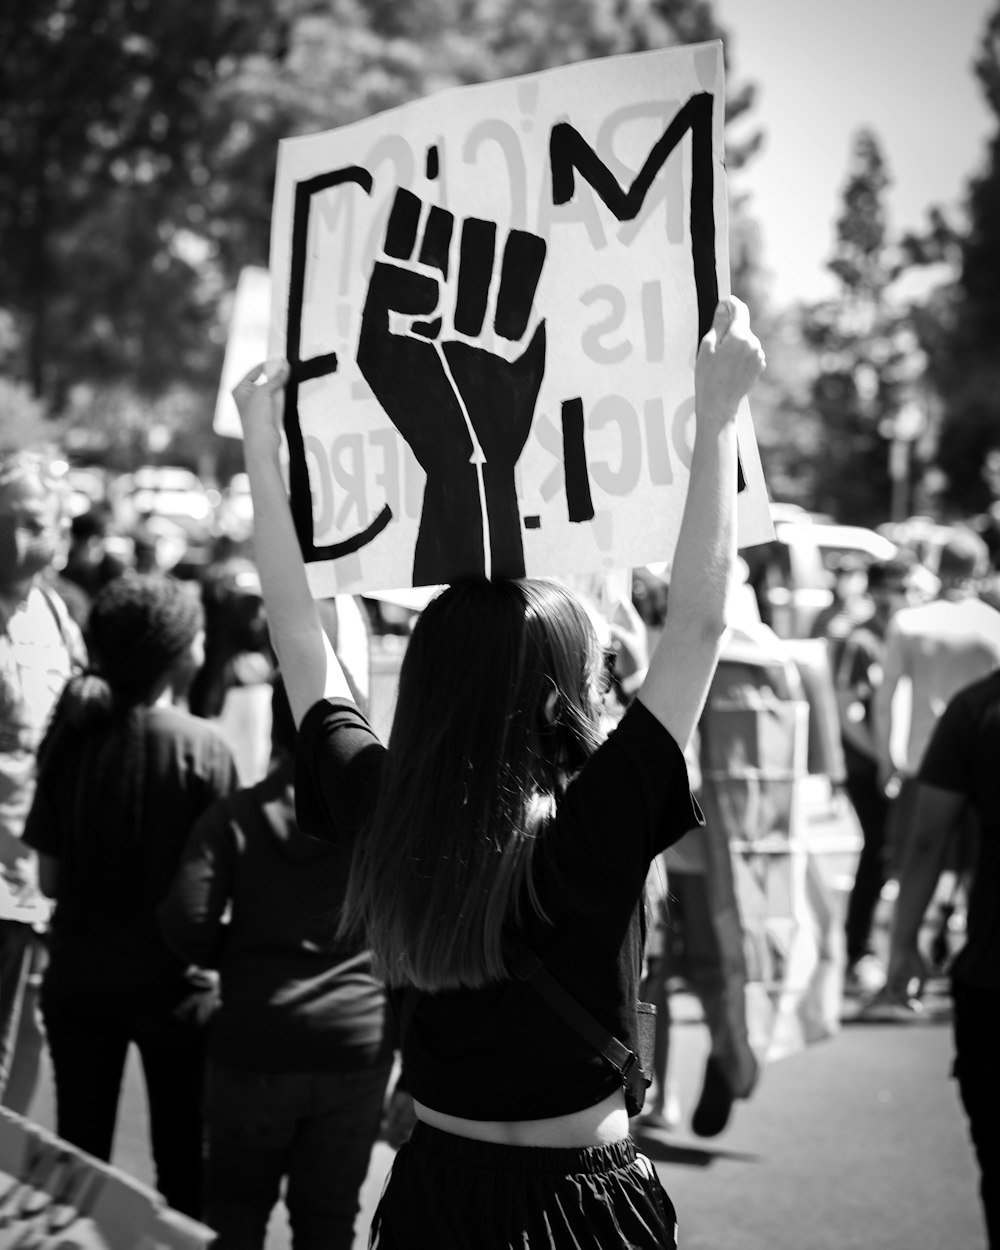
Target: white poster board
pixel 491 301
pixel 55 1197
pixel 246 344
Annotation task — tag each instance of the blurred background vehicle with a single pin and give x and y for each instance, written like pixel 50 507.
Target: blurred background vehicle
pixel 792 577
pixel 169 512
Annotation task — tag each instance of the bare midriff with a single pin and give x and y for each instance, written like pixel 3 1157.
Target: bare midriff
pixel 600 1125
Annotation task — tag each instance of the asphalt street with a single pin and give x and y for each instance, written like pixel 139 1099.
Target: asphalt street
pixel 857 1142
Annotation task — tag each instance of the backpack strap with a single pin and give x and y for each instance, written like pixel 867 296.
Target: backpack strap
pixel 525 965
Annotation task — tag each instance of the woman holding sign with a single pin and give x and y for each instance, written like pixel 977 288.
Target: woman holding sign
pixel 500 850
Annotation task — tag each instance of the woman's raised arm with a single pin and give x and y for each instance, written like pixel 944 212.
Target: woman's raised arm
pixel 308 663
pixel 730 360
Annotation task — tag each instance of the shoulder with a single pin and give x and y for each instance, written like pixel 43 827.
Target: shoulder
pixel 978 702
pixel 176 727
pixel 336 726
pixel 965 742
pixel 338 770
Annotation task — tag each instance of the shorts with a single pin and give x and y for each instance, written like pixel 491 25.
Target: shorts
pixel 448 1191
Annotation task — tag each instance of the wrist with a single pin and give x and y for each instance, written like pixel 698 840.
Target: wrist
pixel 262 445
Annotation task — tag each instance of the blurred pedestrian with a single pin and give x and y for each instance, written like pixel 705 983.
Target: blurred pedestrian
pixel 849 605
pixel 123 776
pixel 857 675
pixel 234 685
pixel 935 648
pixel 90 565
pixel 39 647
pixel 301 1048
pixel 960 771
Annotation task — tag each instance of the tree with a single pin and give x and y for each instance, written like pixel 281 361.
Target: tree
pixel 138 145
pixel 104 152
pixel 864 349
pixel 962 337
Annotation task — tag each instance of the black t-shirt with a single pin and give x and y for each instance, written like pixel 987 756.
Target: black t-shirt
pixel 295 998
pixel 188 766
pixel 500 1053
pixel 963 756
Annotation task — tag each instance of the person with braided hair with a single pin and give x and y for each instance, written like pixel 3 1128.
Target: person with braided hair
pixel 123 774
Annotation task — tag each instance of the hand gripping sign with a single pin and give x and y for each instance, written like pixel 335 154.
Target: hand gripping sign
pixel 491 301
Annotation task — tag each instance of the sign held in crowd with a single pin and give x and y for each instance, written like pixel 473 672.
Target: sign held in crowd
pixel 491 301
pixel 55 1197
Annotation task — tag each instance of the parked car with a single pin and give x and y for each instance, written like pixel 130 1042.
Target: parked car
pixel 168 493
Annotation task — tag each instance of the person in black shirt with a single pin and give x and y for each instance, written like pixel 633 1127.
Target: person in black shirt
pixel 497 812
pixel 960 771
pixel 123 775
pixel 300 1049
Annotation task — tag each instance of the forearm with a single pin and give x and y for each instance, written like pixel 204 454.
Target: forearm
pixel 705 555
pixel 916 889
pixel 681 667
pixel 882 728
pixel 308 663
pixel 293 619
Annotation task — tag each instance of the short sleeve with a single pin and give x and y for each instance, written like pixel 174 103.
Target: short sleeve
pixel 637 781
pixel 950 757
pixel 338 770
pixel 42 829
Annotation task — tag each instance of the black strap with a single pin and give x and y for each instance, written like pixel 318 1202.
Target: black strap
pixel 523 963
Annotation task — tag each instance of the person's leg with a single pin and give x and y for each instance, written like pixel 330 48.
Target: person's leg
pixel 171 1044
pixel 731 1070
pixel 251 1120
pixel 662 1107
pixel 330 1157
pixel 976 1013
pixel 872 808
pixel 21 1036
pixel 88 1047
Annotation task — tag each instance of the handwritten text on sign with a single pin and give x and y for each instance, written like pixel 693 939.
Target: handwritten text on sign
pixel 491 302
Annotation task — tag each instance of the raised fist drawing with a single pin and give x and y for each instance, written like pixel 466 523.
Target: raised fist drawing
pixel 465 411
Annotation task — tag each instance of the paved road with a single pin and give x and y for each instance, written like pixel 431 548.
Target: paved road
pixel 858 1142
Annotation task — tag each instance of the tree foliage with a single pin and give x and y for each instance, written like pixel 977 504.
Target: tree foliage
pixel 106 143
pixel 138 143
pixel 865 350
pixel 963 336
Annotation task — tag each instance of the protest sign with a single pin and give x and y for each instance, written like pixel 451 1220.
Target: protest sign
pixel 246 344
pixel 491 301
pixel 55 1197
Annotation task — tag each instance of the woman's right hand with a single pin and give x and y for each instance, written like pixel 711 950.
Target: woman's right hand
pixel 256 402
pixel 730 360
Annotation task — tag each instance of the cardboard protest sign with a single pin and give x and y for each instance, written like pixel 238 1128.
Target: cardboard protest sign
pixel 55 1197
pixel 246 344
pixel 491 302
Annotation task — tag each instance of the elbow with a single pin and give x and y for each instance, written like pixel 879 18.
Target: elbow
pixel 712 625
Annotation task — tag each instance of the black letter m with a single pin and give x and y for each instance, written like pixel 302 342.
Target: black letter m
pixel 569 152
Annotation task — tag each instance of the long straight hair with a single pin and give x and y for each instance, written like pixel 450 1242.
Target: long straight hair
pixel 498 706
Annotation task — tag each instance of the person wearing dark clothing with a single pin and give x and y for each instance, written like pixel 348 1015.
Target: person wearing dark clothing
pixel 301 1047
pixel 89 564
pixel 960 771
pixel 857 671
pixel 123 776
pixel 495 816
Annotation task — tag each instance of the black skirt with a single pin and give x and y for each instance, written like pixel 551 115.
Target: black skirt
pixel 452 1193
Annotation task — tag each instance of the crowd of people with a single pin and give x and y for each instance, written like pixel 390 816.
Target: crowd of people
pixel 293 988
